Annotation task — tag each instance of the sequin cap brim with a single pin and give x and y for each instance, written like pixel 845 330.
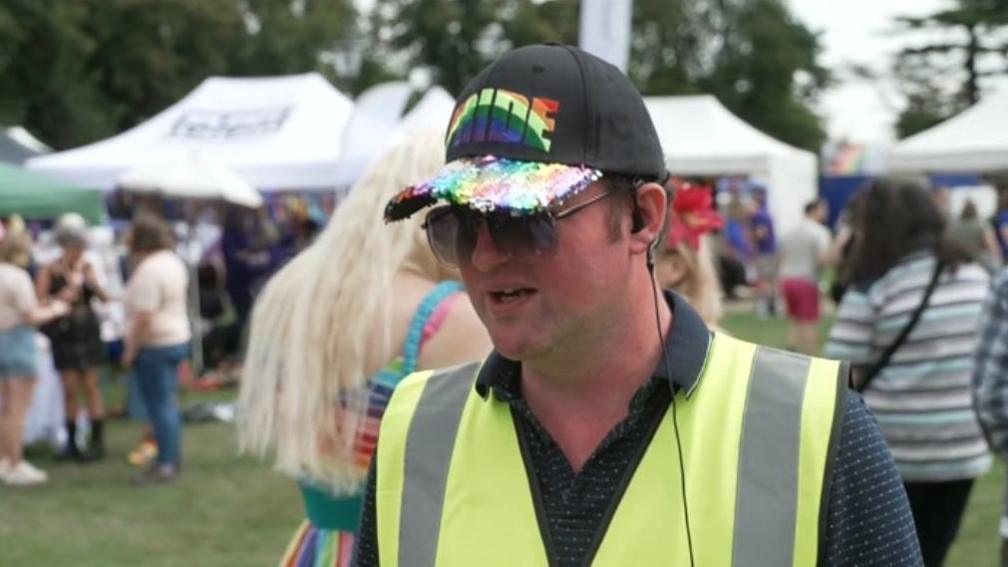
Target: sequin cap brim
pixel 490 184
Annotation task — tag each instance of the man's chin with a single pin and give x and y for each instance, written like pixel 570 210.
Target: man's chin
pixel 510 352
pixel 514 348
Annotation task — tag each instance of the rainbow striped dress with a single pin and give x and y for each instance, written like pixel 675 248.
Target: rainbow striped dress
pixel 326 537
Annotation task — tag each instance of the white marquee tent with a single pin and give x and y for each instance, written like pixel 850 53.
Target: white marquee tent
pixel 702 137
pixel 17 145
pixel 974 141
pixel 192 177
pixel 432 111
pixel 276 132
pixel 379 121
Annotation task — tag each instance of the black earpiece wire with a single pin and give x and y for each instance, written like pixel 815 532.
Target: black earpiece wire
pixel 675 416
pixel 668 368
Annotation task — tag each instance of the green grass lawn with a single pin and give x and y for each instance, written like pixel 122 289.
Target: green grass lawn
pixel 223 511
pixel 231 511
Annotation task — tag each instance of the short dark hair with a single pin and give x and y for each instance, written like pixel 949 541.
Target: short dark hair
pixel 624 195
pixel 812 205
pixel 149 233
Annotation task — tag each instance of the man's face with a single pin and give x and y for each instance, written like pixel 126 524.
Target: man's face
pixel 536 306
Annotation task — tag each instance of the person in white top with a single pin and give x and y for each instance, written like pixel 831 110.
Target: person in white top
pixel 157 337
pixel 804 252
pixel 19 313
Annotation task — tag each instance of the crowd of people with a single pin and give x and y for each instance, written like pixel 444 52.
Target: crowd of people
pixel 100 302
pixel 532 371
pixel 912 283
pixel 61 305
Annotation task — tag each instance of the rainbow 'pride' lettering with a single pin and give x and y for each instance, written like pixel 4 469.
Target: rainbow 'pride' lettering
pixel 498 115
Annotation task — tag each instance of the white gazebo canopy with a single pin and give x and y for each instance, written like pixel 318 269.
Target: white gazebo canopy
pixel 277 133
pixel 973 141
pixel 192 177
pixel 701 137
pixel 432 111
pixel 380 120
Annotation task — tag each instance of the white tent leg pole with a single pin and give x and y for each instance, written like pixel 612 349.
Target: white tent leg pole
pixel 195 322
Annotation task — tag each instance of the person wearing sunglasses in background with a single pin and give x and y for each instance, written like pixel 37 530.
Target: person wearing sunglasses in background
pixel 609 426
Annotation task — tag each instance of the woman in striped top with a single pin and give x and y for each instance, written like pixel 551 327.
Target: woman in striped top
pixel 333 333
pixel 922 397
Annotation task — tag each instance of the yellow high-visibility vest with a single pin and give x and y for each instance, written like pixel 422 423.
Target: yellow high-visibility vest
pixel 452 487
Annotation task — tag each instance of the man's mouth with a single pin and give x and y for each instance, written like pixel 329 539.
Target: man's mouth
pixel 511 295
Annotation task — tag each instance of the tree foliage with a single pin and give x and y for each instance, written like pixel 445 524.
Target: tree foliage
pixel 751 54
pixel 943 75
pixel 455 39
pixel 767 72
pixel 674 44
pixel 74 72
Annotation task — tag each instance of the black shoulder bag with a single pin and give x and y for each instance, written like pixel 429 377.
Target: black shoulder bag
pixel 892 348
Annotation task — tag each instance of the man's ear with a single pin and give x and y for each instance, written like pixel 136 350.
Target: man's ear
pixel 651 210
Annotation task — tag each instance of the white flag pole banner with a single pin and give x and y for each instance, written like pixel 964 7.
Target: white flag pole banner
pixel 605 30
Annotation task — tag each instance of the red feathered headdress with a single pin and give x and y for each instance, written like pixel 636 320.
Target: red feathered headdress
pixel 691 215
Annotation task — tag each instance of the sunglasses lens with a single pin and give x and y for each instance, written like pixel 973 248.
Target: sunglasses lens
pixel 450 234
pixel 542 233
pixel 533 234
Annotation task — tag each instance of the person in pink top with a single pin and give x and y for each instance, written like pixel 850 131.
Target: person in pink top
pixel 19 313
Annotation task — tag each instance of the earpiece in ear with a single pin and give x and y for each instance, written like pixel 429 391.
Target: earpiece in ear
pixel 638 220
pixel 651 254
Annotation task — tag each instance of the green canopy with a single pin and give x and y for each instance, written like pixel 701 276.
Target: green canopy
pixel 35 196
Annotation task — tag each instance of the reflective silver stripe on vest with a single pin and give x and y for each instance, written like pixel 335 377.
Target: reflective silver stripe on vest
pixel 767 501
pixel 429 446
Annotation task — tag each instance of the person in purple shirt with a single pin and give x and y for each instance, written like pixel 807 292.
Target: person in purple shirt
pixel 737 232
pixel 737 254
pixel 761 227
pixel 248 246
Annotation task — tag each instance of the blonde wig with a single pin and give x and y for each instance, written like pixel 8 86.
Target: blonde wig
pixel 321 326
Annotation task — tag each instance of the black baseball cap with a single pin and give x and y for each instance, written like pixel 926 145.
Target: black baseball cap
pixel 536 126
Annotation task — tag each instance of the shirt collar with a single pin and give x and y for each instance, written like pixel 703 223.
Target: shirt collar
pixel 687 346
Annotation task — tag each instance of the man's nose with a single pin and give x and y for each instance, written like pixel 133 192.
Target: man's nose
pixel 486 255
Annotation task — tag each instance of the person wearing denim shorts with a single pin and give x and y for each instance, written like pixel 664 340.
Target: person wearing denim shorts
pixel 19 311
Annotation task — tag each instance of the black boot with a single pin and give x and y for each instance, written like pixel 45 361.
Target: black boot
pixel 96 445
pixel 70 452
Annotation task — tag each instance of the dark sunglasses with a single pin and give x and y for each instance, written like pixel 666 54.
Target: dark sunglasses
pixel 452 230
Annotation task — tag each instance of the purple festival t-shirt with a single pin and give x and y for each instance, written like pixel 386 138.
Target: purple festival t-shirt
pixel 762 227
